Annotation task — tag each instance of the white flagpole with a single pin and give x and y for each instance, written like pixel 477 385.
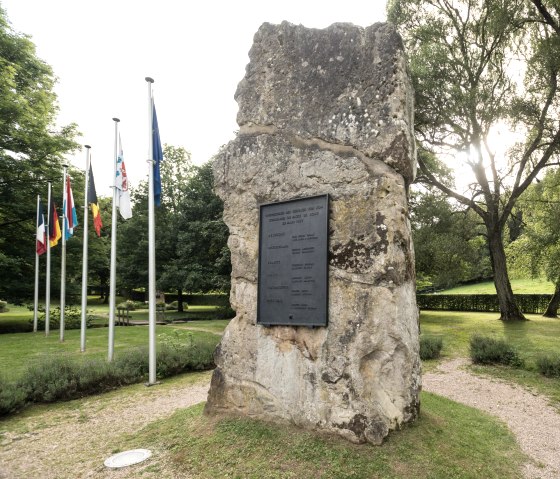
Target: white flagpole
pixel 113 280
pixel 36 301
pixel 85 257
pixel 48 278
pixel 63 254
pixel 151 246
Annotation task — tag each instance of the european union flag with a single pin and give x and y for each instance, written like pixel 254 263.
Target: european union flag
pixel 158 156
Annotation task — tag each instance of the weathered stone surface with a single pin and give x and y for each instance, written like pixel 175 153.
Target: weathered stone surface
pixel 325 111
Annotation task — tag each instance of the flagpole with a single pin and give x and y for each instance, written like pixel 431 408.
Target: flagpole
pixel 151 246
pixel 48 278
pixel 85 256
pixel 36 301
pixel 113 280
pixel 63 254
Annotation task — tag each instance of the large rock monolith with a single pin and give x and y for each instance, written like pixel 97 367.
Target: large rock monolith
pixel 325 112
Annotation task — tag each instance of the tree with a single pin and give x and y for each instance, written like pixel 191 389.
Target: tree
pixel 466 84
pixel 31 152
pixel 202 241
pixel 448 245
pixel 537 250
pixel 191 238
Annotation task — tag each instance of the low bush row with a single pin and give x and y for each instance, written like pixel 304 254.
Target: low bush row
pixel 61 378
pixel 528 303
pixel 486 350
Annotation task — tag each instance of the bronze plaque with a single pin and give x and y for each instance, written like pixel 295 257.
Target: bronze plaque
pixel 293 262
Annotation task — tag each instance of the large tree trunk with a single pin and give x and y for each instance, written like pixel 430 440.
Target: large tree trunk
pixel 508 308
pixel 554 303
pixel 180 300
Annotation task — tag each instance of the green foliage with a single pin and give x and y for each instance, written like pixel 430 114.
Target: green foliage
pixel 56 378
pixel 128 304
pixel 486 350
pixel 528 303
pixel 430 347
pixel 8 326
pixel 3 307
pixel 12 397
pixel 72 318
pixel 549 365
pixel 448 244
pixel 537 251
pixel 225 312
pixel 31 151
pixel 191 251
pixel 173 306
pixel 465 88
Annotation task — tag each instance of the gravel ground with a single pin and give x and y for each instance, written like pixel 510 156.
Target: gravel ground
pixel 536 425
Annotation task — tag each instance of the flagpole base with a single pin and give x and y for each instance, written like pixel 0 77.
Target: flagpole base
pixel 152 384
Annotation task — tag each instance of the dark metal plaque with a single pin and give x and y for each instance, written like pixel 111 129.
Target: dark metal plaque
pixel 293 262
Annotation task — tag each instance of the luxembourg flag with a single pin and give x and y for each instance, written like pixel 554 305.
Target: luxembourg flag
pixel 70 215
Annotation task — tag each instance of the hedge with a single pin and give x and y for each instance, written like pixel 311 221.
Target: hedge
pixel 528 303
pixel 211 299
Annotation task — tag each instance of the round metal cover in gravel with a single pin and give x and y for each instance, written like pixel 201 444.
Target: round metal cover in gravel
pixel 128 458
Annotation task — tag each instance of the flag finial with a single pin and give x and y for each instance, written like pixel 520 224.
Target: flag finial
pixel 116 119
pixel 149 79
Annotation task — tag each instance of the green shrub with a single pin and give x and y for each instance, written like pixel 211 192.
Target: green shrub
pixel 128 304
pixel 12 397
pixel 3 307
pixel 179 352
pixel 61 378
pixel 72 318
pixel 50 380
pixel 15 325
pixel 485 350
pixel 174 306
pixel 224 312
pixel 549 365
pixel 430 347
pixel 132 365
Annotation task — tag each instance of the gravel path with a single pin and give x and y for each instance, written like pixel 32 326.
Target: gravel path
pixel 72 440
pixel 535 424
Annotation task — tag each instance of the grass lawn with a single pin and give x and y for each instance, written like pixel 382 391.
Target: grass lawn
pixel 448 441
pixel 19 318
pixel 20 349
pixel 537 336
pixel 520 286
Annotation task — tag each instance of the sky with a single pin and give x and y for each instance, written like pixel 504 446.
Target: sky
pixel 101 51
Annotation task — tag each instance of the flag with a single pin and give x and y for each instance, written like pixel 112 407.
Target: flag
pixel 158 156
pixel 70 215
pixel 92 200
pixel 41 245
pixel 123 193
pixel 54 226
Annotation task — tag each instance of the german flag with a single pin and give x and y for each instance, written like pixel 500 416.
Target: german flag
pixel 54 226
pixel 93 202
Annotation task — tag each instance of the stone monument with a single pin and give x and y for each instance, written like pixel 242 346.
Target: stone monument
pixel 324 112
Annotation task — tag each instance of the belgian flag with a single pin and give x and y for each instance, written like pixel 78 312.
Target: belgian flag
pixel 93 202
pixel 54 226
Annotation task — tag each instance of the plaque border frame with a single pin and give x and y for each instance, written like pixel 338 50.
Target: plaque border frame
pixel 326 232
